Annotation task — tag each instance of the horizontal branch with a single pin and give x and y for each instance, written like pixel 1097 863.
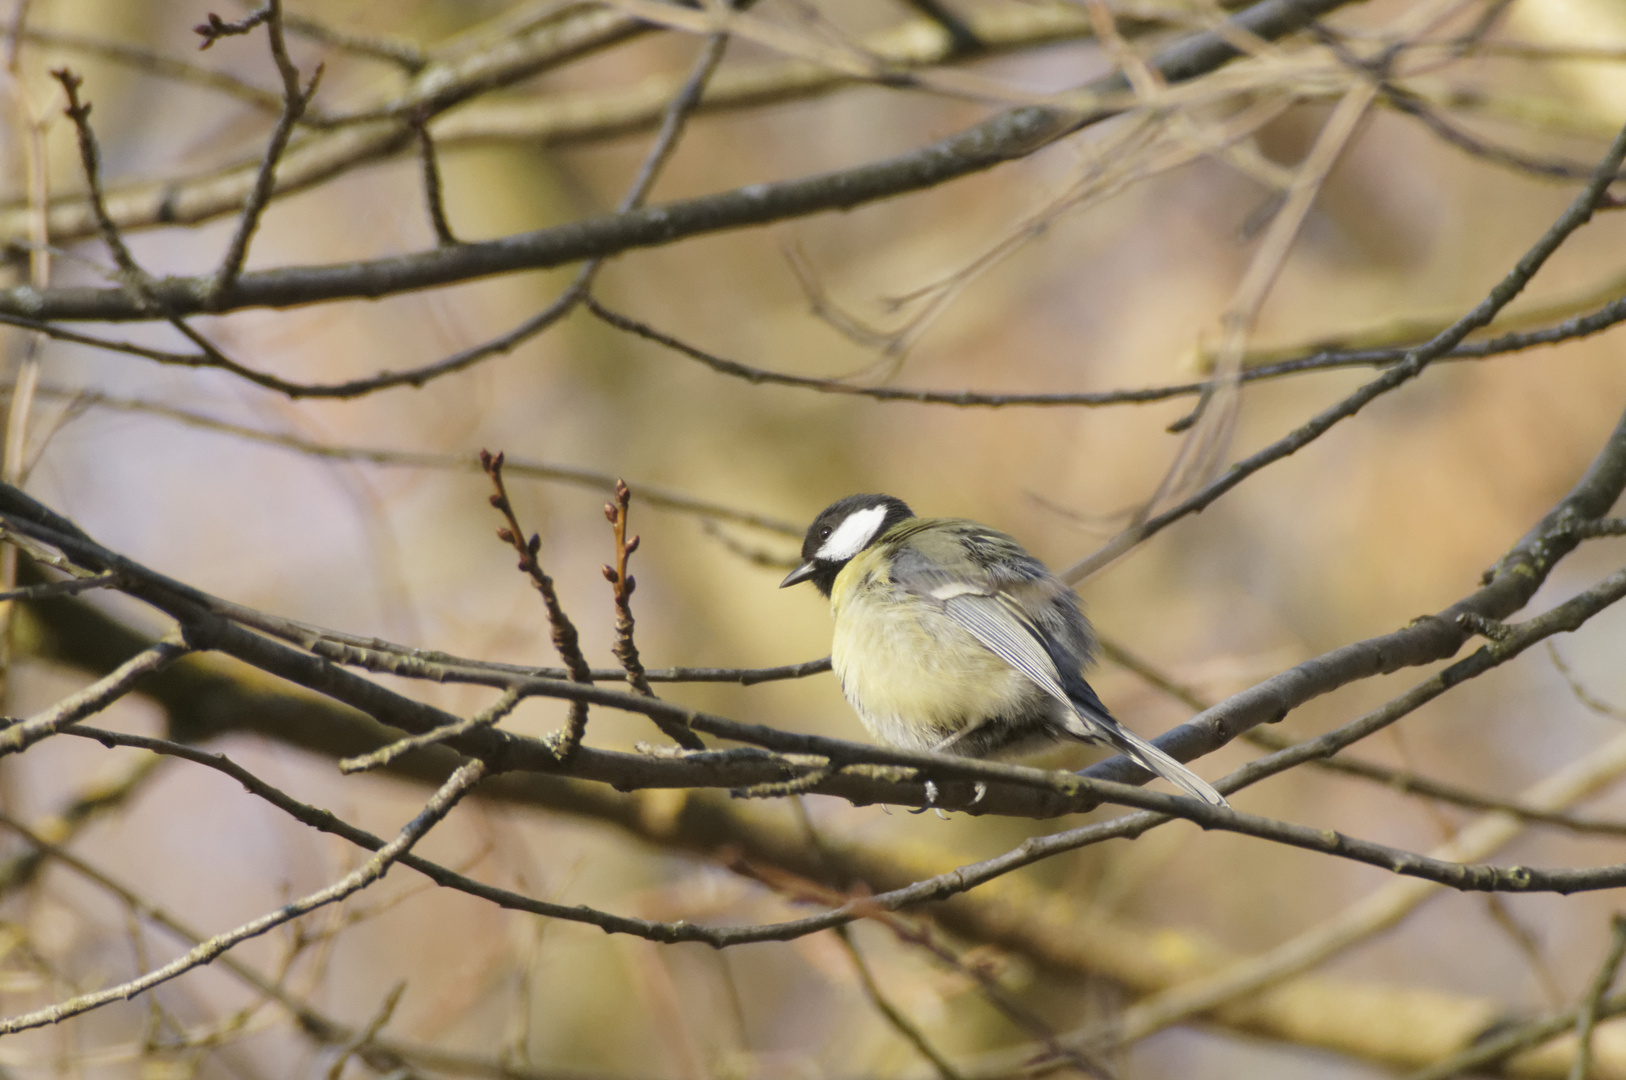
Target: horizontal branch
pixel 1054 929
pixel 847 770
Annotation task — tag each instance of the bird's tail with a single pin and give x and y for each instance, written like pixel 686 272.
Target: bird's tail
pixel 1103 728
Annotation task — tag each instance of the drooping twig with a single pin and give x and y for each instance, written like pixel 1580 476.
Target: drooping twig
pixel 326 822
pixel 892 1014
pixel 438 806
pixel 565 639
pixel 919 934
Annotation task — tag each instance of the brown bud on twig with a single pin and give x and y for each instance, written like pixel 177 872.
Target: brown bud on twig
pixel 610 513
pixel 632 545
pixel 485 459
pixel 610 575
pixel 504 534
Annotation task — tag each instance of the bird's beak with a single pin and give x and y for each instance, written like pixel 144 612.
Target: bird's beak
pixel 800 574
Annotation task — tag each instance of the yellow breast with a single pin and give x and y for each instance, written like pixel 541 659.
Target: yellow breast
pixel 912 674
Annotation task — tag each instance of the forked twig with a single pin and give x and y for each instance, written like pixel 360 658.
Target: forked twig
pixel 294 100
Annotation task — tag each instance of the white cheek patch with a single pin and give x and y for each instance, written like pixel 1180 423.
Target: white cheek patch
pixel 852 535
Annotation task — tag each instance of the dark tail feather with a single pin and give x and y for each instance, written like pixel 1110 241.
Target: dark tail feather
pixel 1104 728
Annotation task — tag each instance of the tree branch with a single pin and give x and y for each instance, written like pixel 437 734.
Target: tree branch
pixel 1008 136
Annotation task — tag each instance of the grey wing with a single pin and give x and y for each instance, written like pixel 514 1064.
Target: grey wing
pixel 999 624
pixel 997 620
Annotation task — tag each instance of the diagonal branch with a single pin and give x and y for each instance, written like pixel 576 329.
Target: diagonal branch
pixel 439 805
pixel 1509 586
pixel 1007 136
pixel 1577 214
pixel 92 699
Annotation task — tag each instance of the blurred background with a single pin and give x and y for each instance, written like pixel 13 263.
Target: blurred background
pixel 1392 515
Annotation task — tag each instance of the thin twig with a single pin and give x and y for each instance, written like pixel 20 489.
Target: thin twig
pixel 294 100
pixel 326 822
pixel 1400 780
pixel 70 587
pixel 319 1026
pixel 894 1015
pixel 1578 213
pixel 216 28
pixel 652 495
pixel 565 639
pixel 367 1034
pixel 1007 136
pixel 133 279
pixel 402 54
pixel 383 756
pixel 1587 1020
pixel 1495 1048
pixel 429 162
pixel 22 734
pixel 438 806
pixel 919 934
pixel 622 584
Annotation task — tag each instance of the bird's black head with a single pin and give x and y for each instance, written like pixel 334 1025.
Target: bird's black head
pixel 843 530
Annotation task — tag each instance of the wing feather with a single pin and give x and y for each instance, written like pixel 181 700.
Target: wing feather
pixel 996 619
pixel 1003 631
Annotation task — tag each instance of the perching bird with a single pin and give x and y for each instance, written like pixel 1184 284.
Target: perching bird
pixel 950 637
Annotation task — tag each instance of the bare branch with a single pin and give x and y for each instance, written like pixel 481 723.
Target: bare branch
pixel 565 639
pixel 439 805
pixel 1587 1021
pixel 294 100
pixel 1579 212
pixel 431 185
pixel 622 583
pixel 22 734
pixel 1508 587
pixel 1007 136
pixel 894 1015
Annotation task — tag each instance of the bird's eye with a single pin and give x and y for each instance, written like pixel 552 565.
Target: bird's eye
pixel 824 533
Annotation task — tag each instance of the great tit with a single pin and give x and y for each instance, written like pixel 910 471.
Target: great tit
pixel 950 637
